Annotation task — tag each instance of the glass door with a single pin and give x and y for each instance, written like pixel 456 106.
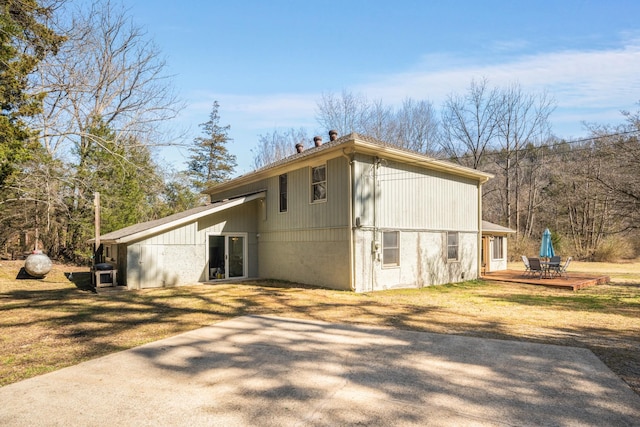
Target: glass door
pixel 227 254
pixel 216 257
pixel 235 256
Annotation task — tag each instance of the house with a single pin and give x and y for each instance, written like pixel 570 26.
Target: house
pixel 354 213
pixel 494 247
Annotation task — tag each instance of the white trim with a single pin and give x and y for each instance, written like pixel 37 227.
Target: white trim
pixel 245 254
pixel 397 248
pixel 357 144
pixel 457 245
pixel 311 184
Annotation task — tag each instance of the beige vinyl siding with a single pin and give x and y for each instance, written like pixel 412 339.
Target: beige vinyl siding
pixel 184 235
pixel 413 198
pixel 179 256
pixel 236 220
pixel 301 212
pixel 364 196
pixel 310 242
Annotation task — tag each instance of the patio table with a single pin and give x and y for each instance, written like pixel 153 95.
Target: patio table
pixel 548 267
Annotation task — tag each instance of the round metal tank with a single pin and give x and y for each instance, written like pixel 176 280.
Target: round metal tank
pixel 37 264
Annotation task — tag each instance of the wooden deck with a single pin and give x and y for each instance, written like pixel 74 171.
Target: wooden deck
pixel 573 281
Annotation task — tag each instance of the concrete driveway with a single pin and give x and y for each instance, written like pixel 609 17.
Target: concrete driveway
pixel 269 371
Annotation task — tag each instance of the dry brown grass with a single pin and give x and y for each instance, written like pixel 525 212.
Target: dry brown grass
pixel 55 322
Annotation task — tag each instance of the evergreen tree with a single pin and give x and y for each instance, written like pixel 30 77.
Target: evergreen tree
pixel 178 195
pixel 210 161
pixel 24 42
pixel 124 174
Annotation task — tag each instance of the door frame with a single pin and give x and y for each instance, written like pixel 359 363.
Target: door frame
pixel 245 255
pixel 486 254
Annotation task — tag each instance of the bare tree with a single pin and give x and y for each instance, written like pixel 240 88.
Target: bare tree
pixel 524 120
pixel 107 75
pixel 413 126
pixel 276 146
pixel 379 121
pixel 416 127
pixel 346 113
pixel 619 148
pixel 108 71
pixel 470 123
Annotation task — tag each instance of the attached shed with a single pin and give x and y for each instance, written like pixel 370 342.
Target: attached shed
pixel 494 247
pixel 219 239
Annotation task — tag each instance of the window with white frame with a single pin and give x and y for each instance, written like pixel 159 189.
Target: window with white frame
pixel 282 183
pixel 498 245
pixel 452 246
pixel 390 248
pixel 319 183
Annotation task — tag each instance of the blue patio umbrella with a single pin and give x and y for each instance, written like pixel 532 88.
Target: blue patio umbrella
pixel 546 246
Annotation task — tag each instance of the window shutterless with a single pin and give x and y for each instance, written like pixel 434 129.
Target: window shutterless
pixel 390 248
pixel 282 181
pixel 318 183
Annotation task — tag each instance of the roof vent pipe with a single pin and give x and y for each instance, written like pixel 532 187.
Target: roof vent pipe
pixel 299 147
pixel 317 140
pixel 333 135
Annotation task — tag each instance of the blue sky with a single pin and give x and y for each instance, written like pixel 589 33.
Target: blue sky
pixel 268 62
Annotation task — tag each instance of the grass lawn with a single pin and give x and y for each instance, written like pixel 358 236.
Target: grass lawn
pixel 55 322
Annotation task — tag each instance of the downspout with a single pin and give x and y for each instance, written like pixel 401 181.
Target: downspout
pixel 376 163
pixel 479 263
pixel 352 231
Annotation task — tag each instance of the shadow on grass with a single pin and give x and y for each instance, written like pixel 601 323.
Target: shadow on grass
pixel 621 299
pixel 104 323
pixel 263 370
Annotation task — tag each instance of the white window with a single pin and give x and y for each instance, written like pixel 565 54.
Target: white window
pixel 498 245
pixel 390 248
pixel 452 246
pixel 319 183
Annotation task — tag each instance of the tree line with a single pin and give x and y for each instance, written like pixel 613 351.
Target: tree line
pixel 83 91
pixel 587 192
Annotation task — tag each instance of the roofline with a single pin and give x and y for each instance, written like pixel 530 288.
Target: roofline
pixel 350 144
pixel 163 227
pixel 495 228
pixel 397 153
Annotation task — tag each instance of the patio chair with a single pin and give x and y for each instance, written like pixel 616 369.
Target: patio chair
pixel 527 268
pixel 561 270
pixel 535 267
pixel 555 260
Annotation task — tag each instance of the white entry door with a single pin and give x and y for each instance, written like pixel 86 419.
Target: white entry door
pixel 227 256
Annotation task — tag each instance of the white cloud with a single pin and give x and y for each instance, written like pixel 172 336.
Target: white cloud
pixel 258 111
pixel 576 79
pixel 590 86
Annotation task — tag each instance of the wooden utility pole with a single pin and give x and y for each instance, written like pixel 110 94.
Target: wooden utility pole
pixel 96 205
